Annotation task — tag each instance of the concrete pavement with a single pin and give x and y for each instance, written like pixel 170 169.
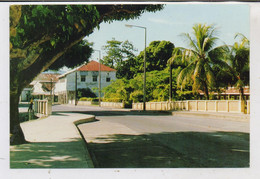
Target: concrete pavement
pixel 146 141
pixel 54 142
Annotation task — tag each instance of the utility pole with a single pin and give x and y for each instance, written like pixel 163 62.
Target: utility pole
pixel 51 90
pixel 76 88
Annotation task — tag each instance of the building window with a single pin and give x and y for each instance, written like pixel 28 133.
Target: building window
pixel 82 78
pixel 94 78
pixel 108 79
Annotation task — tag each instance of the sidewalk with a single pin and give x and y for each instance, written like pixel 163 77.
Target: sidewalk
pixel 54 142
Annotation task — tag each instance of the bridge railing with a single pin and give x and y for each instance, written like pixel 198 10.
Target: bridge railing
pixel 42 107
pixel 232 106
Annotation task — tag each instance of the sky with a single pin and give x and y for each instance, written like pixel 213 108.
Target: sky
pixel 175 19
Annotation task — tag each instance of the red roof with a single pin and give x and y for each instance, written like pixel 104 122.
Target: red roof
pixel 94 66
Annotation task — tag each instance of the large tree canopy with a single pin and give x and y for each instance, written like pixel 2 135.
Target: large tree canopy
pixel 75 56
pixel 40 35
pixel 157 55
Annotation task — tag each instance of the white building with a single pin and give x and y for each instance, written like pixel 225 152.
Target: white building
pixel 84 76
pixel 42 87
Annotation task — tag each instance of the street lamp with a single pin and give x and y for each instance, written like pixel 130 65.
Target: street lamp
pixel 144 87
pixel 99 78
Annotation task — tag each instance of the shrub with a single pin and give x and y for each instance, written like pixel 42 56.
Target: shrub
pixel 117 100
pixel 85 99
pixel 86 92
pixel 136 96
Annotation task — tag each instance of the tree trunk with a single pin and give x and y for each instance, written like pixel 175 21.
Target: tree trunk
pixel 16 133
pixel 241 89
pixel 206 90
pixel 170 81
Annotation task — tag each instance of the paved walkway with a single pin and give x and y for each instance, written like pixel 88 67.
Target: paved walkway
pixel 54 142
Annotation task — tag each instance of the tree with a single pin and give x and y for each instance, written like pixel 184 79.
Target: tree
pixel 200 59
pixel 40 35
pixel 75 56
pixel 120 55
pixel 238 64
pixel 157 54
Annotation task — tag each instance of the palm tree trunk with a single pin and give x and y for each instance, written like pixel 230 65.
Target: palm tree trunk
pixel 206 91
pixel 241 90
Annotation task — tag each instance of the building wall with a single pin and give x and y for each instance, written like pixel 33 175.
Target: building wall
pixel 85 80
pixel 60 86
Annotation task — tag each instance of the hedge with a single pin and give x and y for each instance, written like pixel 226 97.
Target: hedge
pixel 116 100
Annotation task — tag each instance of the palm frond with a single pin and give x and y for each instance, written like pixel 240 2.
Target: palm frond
pixel 185 75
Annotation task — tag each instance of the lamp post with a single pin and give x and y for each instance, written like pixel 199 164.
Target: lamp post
pixel 144 86
pixel 99 79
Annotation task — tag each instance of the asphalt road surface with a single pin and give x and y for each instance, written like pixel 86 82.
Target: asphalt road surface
pixel 125 139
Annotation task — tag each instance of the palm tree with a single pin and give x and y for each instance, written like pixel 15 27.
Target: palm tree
pixel 238 63
pixel 199 59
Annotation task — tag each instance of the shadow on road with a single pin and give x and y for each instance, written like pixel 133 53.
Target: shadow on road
pixel 172 150
pixel 47 155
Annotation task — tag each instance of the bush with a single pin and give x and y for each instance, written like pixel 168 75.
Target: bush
pixel 116 100
pixel 88 99
pixel 86 92
pixel 136 96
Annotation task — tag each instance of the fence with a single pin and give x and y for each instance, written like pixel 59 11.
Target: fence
pixel 103 104
pixel 112 104
pixel 161 106
pixel 42 108
pixel 232 106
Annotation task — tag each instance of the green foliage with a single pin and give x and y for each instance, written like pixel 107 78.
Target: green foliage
pixel 199 59
pixel 77 55
pixel 116 100
pixel 157 55
pixel 157 87
pixel 39 20
pixel 86 92
pixel 118 89
pixel 41 34
pixel 119 56
pixel 238 61
pixel 136 96
pixel 89 99
pixel 85 99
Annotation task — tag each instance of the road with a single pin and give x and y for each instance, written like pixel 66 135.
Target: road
pixel 125 139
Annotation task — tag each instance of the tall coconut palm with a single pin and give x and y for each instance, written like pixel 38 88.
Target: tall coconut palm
pixel 199 58
pixel 238 63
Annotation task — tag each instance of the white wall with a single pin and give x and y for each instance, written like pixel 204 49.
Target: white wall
pixel 88 83
pixel 37 88
pixel 60 86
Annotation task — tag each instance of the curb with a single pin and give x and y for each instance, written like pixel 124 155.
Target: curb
pixel 88 156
